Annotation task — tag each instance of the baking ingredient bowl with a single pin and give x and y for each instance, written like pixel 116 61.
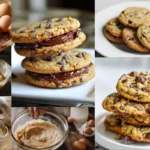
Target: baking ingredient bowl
pixel 5 70
pixel 3 130
pixel 57 119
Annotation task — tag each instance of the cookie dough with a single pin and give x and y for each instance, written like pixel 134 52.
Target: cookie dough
pixel 143 34
pixel 118 104
pixel 113 123
pixel 61 80
pixel 134 16
pixel 112 38
pixel 38 134
pixel 135 86
pixel 57 63
pixel 131 39
pixel 115 27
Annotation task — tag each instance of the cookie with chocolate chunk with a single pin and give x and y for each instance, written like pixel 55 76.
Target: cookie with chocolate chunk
pixel 115 27
pixel 112 38
pixel 137 133
pixel 143 34
pixel 118 104
pixel 131 39
pixel 59 70
pixel 134 16
pixel 48 37
pixel 135 120
pixel 135 86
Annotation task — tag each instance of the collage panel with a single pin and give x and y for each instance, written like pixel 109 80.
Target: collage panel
pixel 53 47
pixel 122 106
pixel 123 31
pixel 46 128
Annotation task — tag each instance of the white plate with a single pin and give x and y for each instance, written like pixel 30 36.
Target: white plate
pixel 102 45
pixel 108 71
pixel 73 95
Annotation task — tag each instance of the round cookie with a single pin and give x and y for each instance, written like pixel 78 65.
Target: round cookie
pixel 113 123
pixel 135 120
pixel 134 16
pixel 143 34
pixel 57 63
pixel 48 50
pixel 131 39
pixel 115 27
pixel 118 104
pixel 44 30
pixel 112 38
pixel 135 86
pixel 48 81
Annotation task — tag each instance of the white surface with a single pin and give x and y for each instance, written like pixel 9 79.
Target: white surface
pixel 108 71
pixel 101 4
pixel 21 88
pixel 105 47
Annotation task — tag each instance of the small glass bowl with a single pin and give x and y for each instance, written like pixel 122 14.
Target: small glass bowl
pixel 5 69
pixel 56 118
pixel 4 129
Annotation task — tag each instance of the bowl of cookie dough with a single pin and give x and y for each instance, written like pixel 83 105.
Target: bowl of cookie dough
pixel 5 73
pixel 48 132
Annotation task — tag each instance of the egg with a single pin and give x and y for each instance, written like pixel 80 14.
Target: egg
pixel 79 145
pixel 5 22
pixel 85 141
pixel 5 9
pixel 91 123
pixel 71 120
pixel 88 131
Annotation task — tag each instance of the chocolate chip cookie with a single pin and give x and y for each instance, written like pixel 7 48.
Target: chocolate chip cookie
pixel 137 133
pixel 61 70
pixel 143 34
pixel 48 37
pixel 112 38
pixel 118 104
pixel 134 16
pixel 135 86
pixel 131 39
pixel 135 120
pixel 115 27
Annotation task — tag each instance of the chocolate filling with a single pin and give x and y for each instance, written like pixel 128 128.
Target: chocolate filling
pixel 59 76
pixel 69 36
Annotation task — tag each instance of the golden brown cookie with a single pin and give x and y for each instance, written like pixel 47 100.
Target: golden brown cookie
pixel 62 80
pixel 134 16
pixel 112 38
pixel 131 39
pixel 113 123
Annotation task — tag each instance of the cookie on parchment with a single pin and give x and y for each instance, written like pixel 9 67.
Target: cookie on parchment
pixel 137 133
pixel 131 39
pixel 112 38
pixel 134 16
pixel 115 27
pixel 143 34
pixel 135 86
pixel 48 37
pixel 118 104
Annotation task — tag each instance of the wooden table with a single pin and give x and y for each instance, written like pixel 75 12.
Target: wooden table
pixel 73 132
pixel 6 143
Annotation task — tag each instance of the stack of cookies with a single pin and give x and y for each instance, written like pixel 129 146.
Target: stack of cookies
pixel 131 107
pixel 131 27
pixel 50 61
